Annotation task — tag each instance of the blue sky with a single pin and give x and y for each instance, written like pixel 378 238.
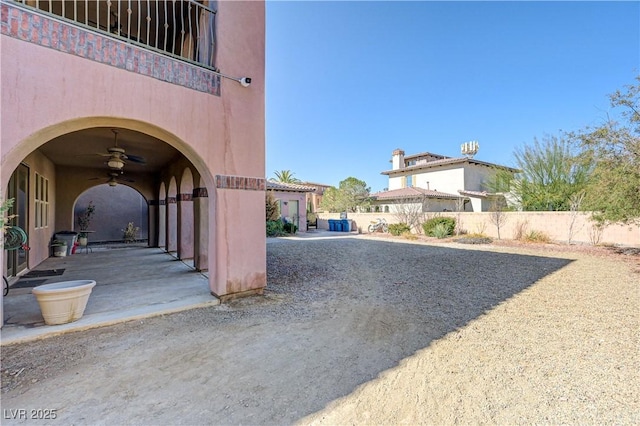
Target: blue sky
pixel 349 82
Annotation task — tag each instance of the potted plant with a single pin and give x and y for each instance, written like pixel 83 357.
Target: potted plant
pixel 84 219
pixel 130 233
pixel 59 248
pixel 63 302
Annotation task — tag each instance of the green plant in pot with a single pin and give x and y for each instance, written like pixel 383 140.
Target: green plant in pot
pixel 59 248
pixel 84 220
pixel 130 233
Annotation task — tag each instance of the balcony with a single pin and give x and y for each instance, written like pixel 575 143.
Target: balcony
pixel 171 40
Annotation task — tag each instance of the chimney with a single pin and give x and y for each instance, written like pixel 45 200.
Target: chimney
pixel 397 159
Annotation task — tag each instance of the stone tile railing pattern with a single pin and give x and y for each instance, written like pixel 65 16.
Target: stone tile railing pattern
pixel 46 31
pixel 240 182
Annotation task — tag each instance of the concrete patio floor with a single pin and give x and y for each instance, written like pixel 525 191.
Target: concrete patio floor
pixel 133 281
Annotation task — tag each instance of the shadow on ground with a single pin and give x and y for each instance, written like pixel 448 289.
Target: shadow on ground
pixel 335 315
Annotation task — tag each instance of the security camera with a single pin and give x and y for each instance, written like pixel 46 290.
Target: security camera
pixel 245 81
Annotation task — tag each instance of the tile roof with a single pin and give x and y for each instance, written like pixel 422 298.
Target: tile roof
pixel 446 161
pixel 412 192
pixel 294 187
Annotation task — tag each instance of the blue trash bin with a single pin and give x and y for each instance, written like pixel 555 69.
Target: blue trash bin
pixel 338 225
pixel 346 225
pixel 332 225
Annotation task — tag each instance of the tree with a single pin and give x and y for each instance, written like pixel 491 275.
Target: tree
pixel 411 211
pixel 272 207
pixel 498 216
pixel 350 195
pixel 550 173
pixel 285 176
pixel 613 191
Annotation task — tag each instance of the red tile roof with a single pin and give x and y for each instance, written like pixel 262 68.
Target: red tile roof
pixel 293 187
pixel 446 161
pixel 412 192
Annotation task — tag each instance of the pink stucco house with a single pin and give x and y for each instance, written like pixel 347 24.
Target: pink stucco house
pixel 181 86
pixel 292 201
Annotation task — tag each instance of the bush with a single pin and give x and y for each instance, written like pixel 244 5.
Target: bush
pixel 275 228
pixel 409 236
pixel 534 236
pixel 398 229
pixel 290 228
pixel 477 238
pixel 441 230
pixel 448 223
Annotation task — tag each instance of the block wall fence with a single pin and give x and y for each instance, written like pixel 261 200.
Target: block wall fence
pixel 554 224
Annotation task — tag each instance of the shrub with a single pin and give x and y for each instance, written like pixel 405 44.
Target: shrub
pixel 441 230
pixel 409 236
pixel 534 236
pixel 449 224
pixel 474 239
pixel 520 231
pixel 275 228
pixel 290 228
pixel 399 228
pixel 272 209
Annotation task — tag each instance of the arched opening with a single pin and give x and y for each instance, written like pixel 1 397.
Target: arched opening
pixel 63 168
pixel 108 224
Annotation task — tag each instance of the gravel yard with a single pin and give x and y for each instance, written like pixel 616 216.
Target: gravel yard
pixel 364 331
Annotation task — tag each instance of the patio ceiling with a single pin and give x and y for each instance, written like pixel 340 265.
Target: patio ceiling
pixel 81 149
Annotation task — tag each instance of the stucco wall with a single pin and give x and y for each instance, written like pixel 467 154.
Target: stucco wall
pixel 48 93
pixel 555 224
pixel 476 177
pixel 448 180
pixel 115 208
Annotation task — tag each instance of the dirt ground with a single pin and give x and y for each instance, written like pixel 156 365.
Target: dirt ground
pixel 362 331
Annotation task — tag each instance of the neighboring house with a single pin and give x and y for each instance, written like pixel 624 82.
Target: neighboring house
pixel 438 182
pixel 164 97
pixel 291 199
pixel 314 199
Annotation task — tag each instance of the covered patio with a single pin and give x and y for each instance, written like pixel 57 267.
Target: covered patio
pixel 133 281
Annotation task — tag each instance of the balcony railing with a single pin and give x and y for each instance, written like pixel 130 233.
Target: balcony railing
pixel 183 29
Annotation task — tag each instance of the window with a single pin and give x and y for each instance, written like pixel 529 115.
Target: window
pixel 42 202
pixel 409 181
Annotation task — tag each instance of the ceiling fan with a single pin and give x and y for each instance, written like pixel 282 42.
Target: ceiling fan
pixel 114 178
pixel 117 155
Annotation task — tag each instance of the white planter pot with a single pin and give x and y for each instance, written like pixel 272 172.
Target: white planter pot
pixel 82 241
pixel 63 302
pixel 59 251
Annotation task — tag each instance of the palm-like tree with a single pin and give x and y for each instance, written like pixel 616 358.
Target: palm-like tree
pixel 285 176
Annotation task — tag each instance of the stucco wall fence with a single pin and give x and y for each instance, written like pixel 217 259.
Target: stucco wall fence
pixel 556 225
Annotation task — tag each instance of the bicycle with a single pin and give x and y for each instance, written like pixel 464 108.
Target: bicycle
pixel 379 224
pixel 14 239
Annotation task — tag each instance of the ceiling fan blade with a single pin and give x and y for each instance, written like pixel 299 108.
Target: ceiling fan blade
pixel 136 159
pixel 125 179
